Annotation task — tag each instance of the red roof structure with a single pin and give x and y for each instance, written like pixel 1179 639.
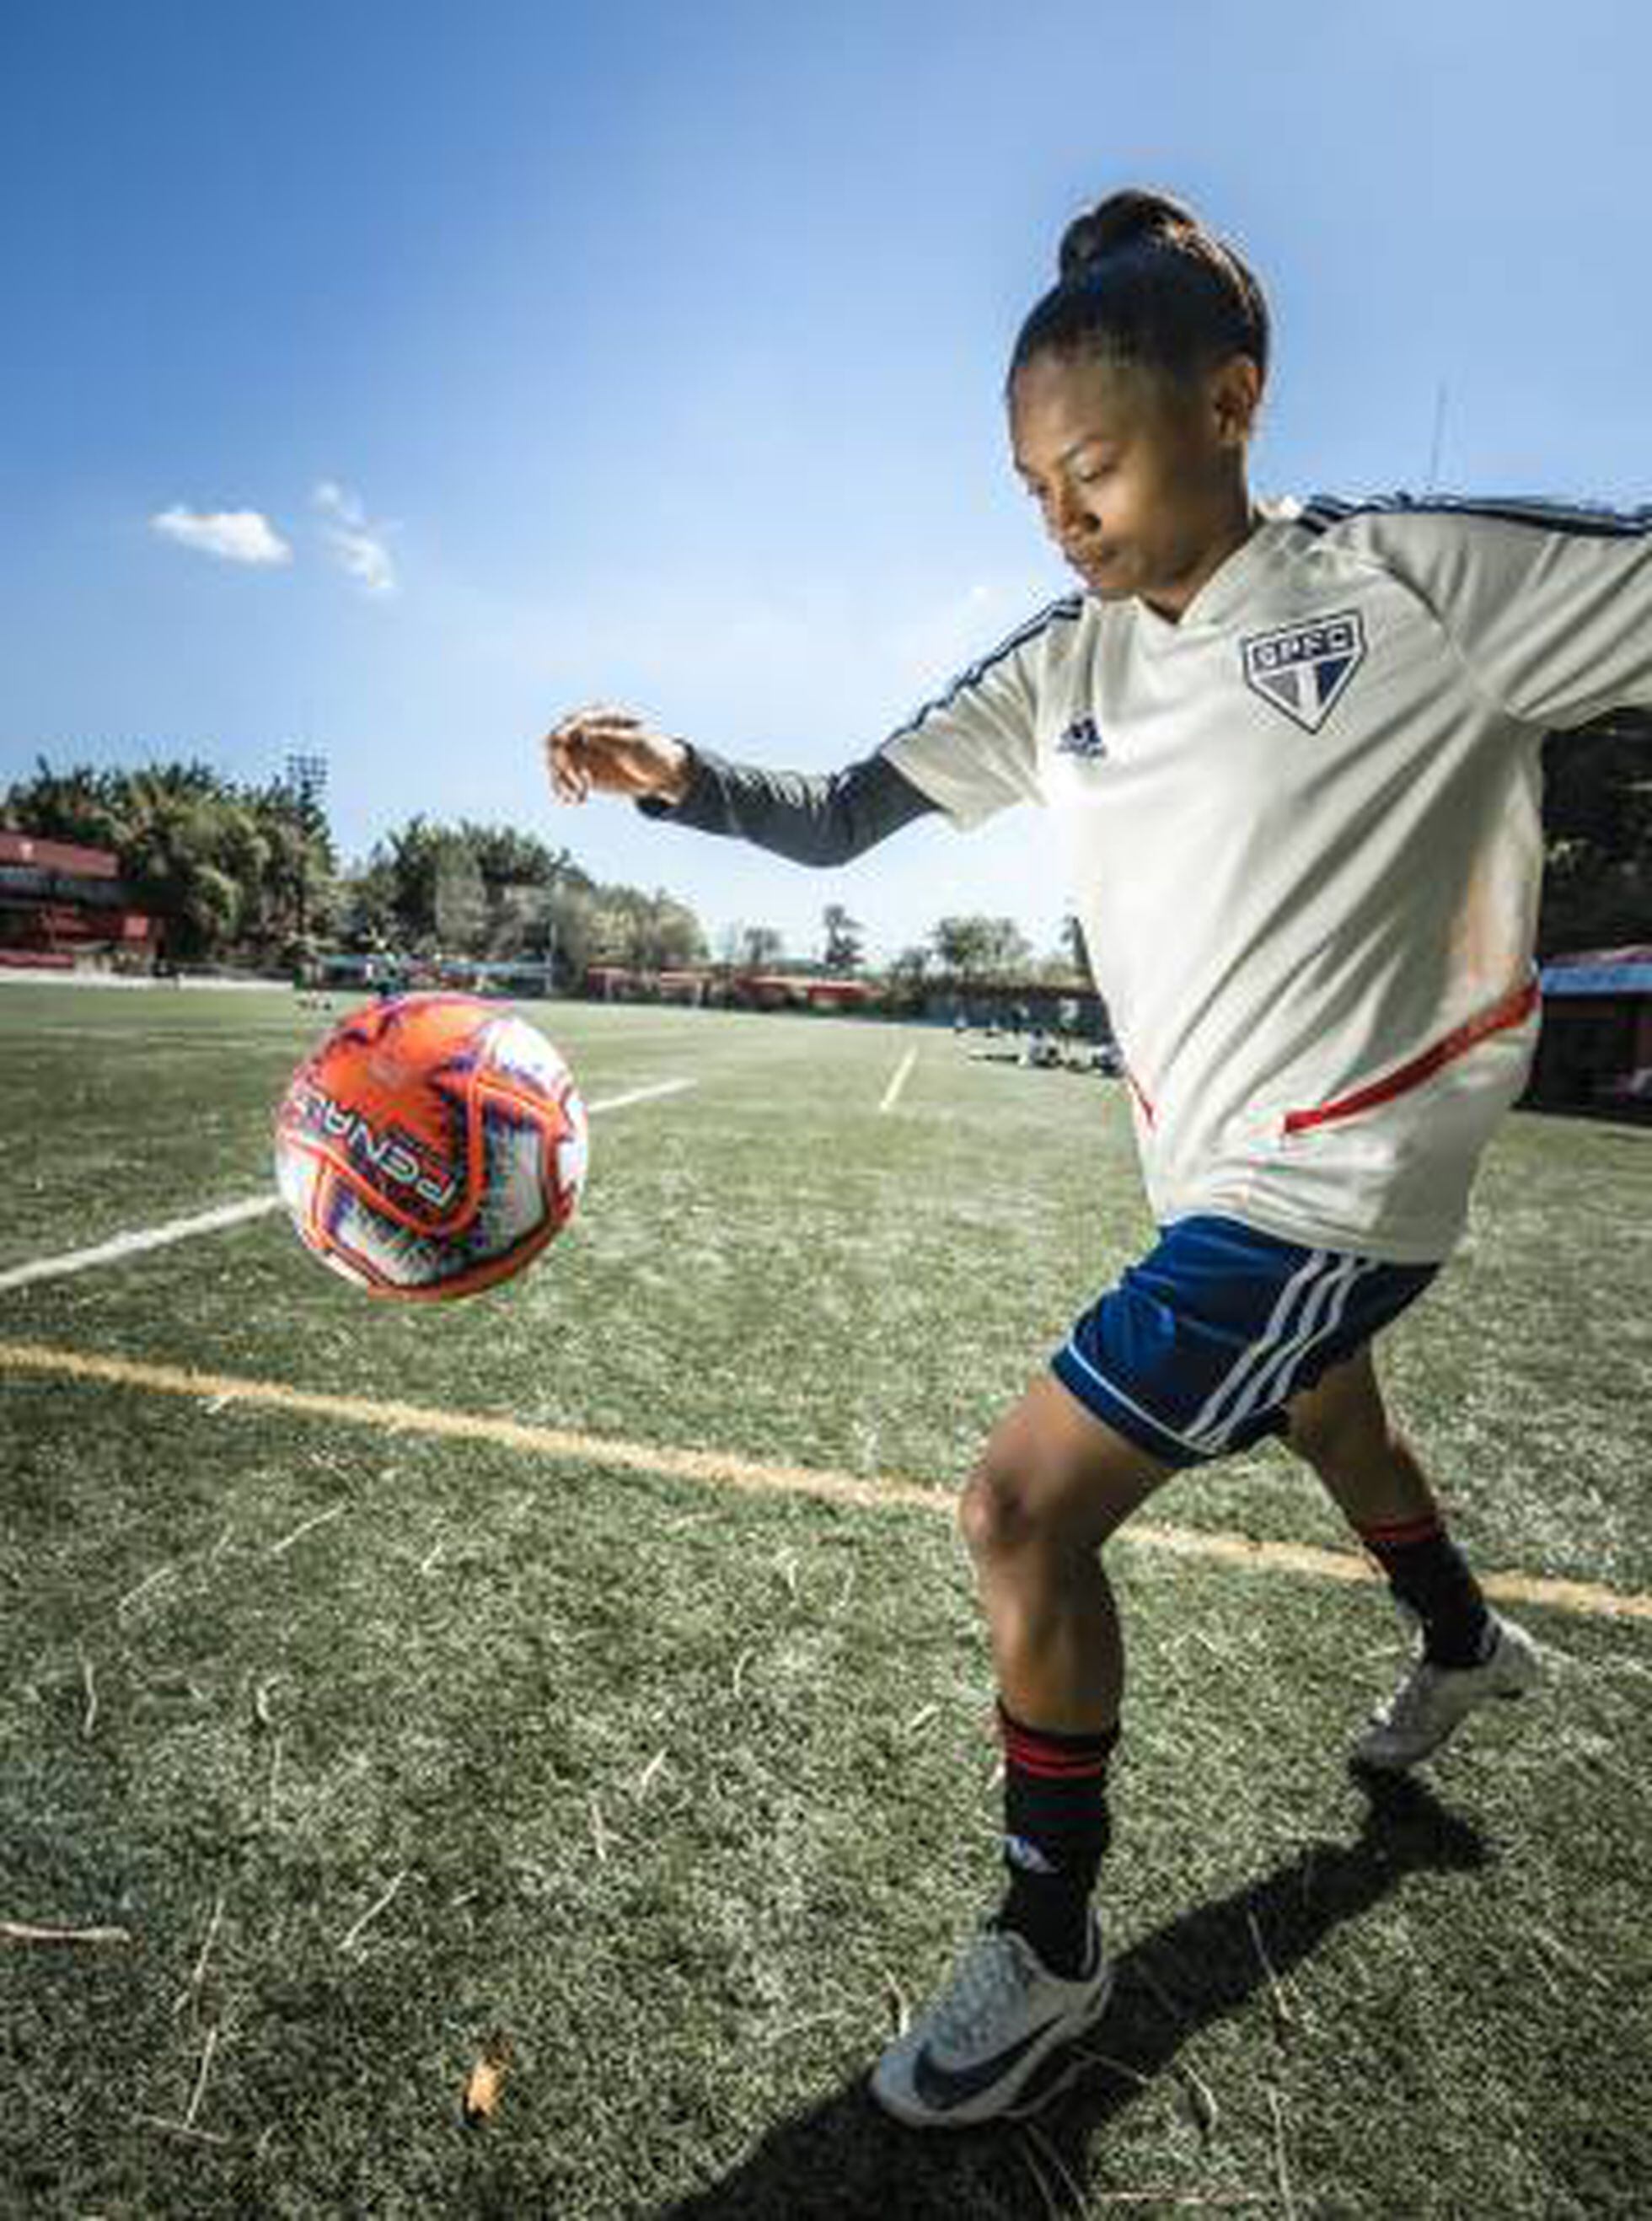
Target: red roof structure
pixel 66 856
pixel 59 899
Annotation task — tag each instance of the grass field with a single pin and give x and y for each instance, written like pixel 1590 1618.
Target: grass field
pixel 374 1740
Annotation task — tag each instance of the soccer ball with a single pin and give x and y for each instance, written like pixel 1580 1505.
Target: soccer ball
pixel 430 1146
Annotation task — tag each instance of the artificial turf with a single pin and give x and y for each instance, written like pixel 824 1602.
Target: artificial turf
pixel 684 1790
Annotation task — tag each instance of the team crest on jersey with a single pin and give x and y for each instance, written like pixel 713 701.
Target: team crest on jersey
pixel 1081 738
pixel 1306 669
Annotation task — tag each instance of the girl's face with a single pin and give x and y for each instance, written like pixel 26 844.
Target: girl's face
pixel 1140 480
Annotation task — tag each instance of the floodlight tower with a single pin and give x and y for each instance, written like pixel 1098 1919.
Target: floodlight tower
pixel 307 777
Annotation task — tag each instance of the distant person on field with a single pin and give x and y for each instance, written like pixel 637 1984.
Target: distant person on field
pixel 1293 752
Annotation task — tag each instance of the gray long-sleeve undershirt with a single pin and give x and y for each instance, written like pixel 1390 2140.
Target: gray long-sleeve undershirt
pixel 824 819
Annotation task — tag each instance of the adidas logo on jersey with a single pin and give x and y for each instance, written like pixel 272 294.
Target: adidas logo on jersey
pixel 1081 739
pixel 1304 669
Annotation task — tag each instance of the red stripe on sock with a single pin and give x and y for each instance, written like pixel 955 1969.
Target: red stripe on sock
pixel 1055 1758
pixel 1054 1761
pixel 1397 1536
pixel 1076 1770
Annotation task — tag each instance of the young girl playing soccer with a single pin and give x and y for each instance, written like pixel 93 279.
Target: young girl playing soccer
pixel 1293 752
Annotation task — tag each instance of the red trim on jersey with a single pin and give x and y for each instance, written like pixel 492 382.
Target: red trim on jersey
pixel 1494 1019
pixel 1136 1091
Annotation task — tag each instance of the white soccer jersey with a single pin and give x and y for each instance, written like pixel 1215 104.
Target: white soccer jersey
pixel 1304 834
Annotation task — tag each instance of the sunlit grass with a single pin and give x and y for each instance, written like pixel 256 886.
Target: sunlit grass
pixel 677 1788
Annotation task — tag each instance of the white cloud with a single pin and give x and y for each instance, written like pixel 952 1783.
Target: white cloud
pixel 234 536
pixel 359 546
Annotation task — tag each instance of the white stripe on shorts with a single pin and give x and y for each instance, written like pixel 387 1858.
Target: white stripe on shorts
pixel 1296 1289
pixel 1283 1376
pixel 1320 1317
pixel 1129 1402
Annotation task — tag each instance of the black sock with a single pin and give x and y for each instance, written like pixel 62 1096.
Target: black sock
pixel 1055 1829
pixel 1427 1571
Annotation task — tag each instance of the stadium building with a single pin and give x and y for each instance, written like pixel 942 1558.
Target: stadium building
pixel 1595 1050
pixel 62 904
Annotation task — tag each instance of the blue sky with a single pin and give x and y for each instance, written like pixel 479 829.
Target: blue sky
pixel 651 352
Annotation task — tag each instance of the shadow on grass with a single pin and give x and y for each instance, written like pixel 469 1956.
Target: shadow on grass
pixel 845 2159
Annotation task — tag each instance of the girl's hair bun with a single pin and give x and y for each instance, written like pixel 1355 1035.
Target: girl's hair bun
pixel 1120 220
pixel 1142 282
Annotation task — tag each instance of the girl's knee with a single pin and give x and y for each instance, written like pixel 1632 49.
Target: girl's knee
pixel 1052 1477
pixel 996 1513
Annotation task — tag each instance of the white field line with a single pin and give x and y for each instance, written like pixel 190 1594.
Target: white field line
pixel 640 1095
pixel 121 1246
pixel 903 1073
pixel 130 1245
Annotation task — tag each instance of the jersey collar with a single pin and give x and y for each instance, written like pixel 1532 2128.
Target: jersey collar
pixel 1224 593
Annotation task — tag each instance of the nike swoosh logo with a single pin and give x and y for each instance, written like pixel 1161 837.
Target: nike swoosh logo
pixel 946 2087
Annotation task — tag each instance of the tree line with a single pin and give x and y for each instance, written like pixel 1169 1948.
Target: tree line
pixel 248 872
pixel 1598 835
pixel 229 866
pixel 493 892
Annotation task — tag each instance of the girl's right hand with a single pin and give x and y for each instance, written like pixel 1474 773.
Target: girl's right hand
pixel 604 750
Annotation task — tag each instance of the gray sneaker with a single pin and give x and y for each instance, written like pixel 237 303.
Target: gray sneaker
pixel 1431 1700
pixel 976 2055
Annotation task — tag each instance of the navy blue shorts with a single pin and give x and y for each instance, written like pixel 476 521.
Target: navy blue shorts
pixel 1197 1351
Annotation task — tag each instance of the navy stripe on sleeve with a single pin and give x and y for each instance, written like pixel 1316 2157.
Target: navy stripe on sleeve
pixel 1586 520
pixel 1069 605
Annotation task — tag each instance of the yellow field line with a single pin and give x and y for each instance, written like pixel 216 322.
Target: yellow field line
pixel 722 1468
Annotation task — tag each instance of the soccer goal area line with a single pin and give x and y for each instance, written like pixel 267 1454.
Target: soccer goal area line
pixel 134 1243
pixel 219 1391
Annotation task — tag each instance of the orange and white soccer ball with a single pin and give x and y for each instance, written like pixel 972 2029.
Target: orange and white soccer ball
pixel 431 1145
